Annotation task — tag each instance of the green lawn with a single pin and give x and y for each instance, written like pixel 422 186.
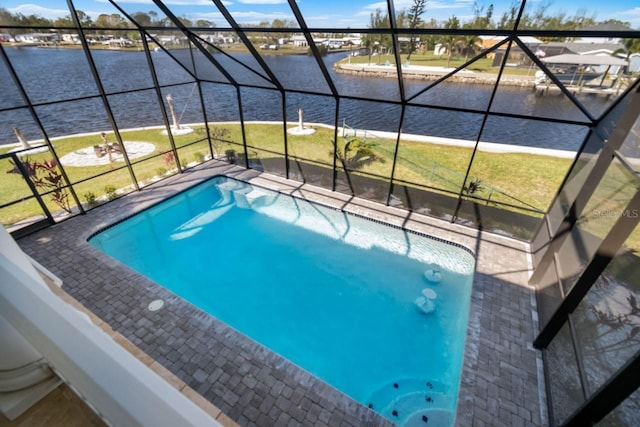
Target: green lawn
pixel 519 179
pixel 482 65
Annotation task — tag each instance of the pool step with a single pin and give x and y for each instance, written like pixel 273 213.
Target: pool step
pixel 252 199
pixel 229 189
pixel 412 406
pixel 414 402
pixel 196 224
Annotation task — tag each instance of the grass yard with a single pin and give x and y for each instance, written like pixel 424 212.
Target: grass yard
pixel 525 180
pixel 482 65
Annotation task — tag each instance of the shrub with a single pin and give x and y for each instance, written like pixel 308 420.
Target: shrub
pixel 169 159
pixel 322 50
pixel 46 176
pixel 110 191
pixel 198 157
pixel 230 155
pixel 90 198
pixel 161 171
pixel 218 135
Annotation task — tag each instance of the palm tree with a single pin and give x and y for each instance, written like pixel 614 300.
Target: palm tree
pixel 631 46
pixel 450 40
pixel 469 45
pixel 357 154
pixel 416 10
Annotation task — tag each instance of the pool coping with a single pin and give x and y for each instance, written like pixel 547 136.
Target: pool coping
pixel 283 390
pixel 213 411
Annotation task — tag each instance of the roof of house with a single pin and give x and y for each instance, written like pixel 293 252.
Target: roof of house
pixel 524 39
pixel 570 58
pixel 587 47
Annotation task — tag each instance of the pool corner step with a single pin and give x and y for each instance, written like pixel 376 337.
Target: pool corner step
pixel 413 402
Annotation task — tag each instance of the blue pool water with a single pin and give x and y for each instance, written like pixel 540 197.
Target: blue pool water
pixel 336 294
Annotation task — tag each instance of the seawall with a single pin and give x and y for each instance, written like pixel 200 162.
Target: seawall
pixel 419 72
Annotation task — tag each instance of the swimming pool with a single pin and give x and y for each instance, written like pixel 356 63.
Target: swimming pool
pixel 378 312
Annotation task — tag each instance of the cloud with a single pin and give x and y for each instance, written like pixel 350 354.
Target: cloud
pixel 631 15
pixel 34 9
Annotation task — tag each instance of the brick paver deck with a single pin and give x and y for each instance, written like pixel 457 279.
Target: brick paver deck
pixel 500 383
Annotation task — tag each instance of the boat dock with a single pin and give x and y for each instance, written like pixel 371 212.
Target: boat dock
pixel 550 88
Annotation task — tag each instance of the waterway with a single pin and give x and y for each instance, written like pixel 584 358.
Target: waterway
pixel 49 74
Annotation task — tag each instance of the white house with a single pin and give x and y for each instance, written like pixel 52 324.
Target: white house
pixel 37 38
pixel 299 41
pixel 634 62
pixel 71 38
pixel 119 43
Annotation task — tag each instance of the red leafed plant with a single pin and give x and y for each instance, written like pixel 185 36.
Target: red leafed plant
pixel 46 176
pixel 169 159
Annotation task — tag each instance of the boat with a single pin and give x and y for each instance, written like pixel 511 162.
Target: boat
pixel 574 69
pixel 568 75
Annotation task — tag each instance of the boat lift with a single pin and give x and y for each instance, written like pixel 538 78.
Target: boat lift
pixel 576 70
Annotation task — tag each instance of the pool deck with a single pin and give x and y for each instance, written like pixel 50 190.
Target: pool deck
pixel 501 382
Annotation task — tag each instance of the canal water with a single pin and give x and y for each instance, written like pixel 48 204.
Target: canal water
pixel 58 74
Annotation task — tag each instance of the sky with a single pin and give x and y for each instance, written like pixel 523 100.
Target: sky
pixel 323 13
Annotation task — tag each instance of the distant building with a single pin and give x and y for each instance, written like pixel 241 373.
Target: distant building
pixel 634 62
pixel 37 38
pixel 439 49
pixel 299 41
pixel 486 42
pixel 71 38
pixel 119 43
pixel 586 48
pixel 517 57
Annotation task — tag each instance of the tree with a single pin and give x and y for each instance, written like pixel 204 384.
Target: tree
pixel 415 20
pixel 153 16
pixel 481 21
pixel 468 45
pixel 205 23
pixel 5 17
pixel 508 19
pixel 279 23
pixel 85 20
pixel 142 19
pixel 630 46
pixel 450 40
pixel 31 20
pixel 65 21
pixel 185 21
pixel 380 42
pixel 113 20
pixel 357 154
